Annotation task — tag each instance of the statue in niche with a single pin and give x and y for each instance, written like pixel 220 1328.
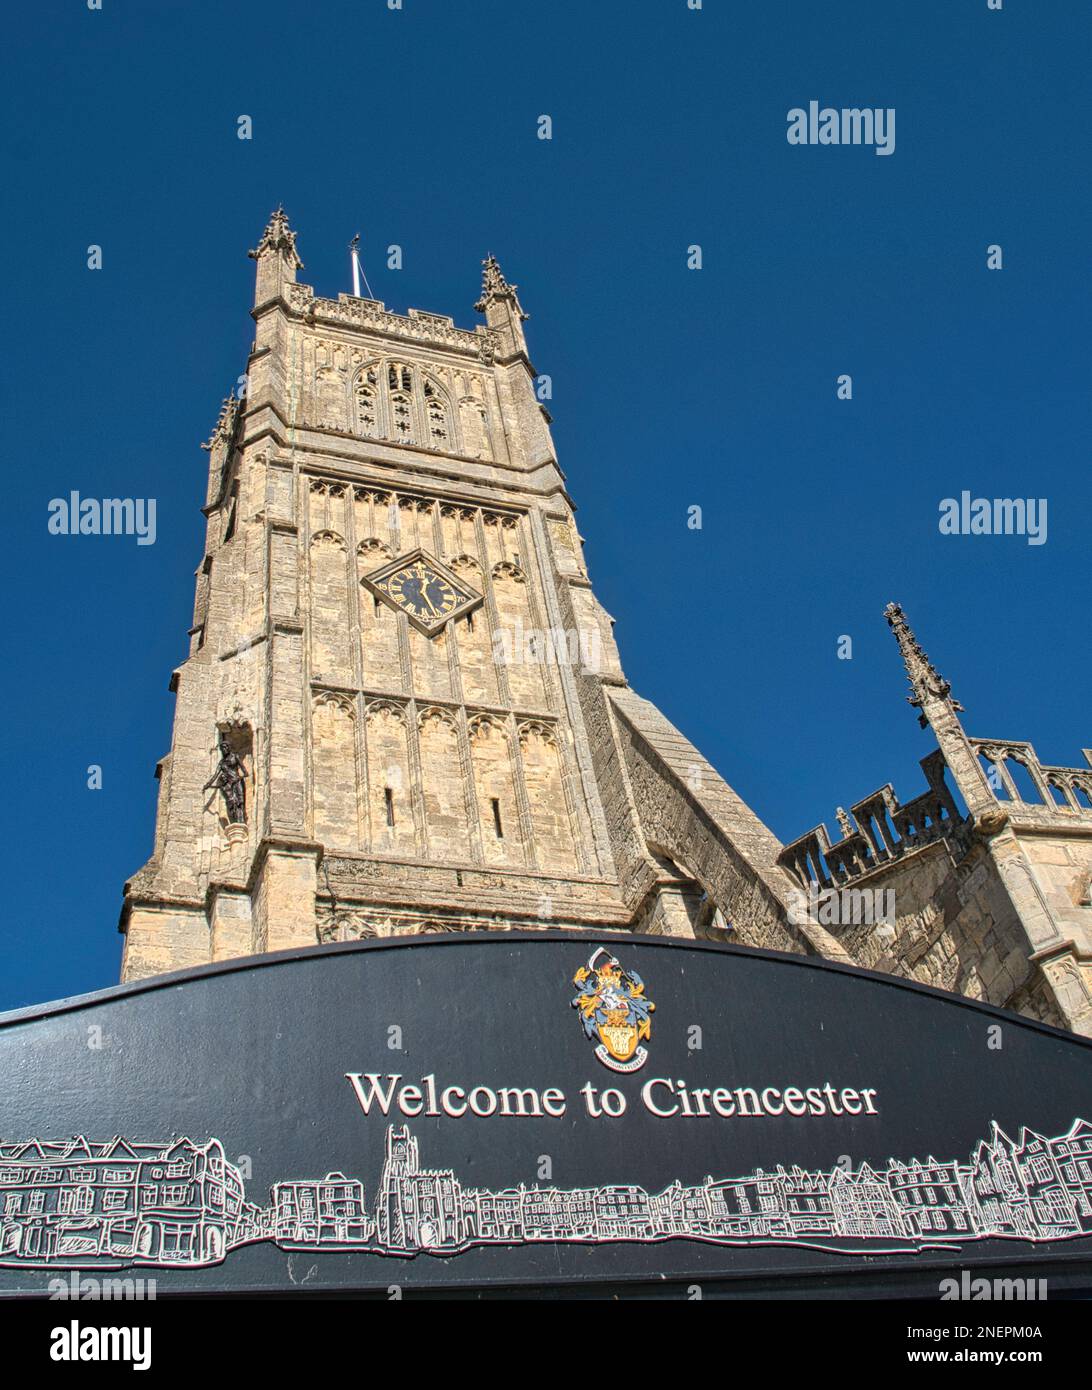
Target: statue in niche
pixel 230 779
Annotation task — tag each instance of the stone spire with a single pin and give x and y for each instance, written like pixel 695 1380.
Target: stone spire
pixel 926 683
pixel 502 309
pixel 931 695
pixel 277 257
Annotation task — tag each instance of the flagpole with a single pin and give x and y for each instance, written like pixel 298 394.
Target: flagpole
pixel 354 254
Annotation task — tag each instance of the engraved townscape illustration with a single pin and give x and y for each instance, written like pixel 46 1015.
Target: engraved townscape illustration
pixel 183 1204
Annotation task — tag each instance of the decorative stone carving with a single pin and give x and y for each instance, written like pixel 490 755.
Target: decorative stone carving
pixel 535 728
pixel 385 709
pixel 336 698
pixel 229 780
pixel 374 551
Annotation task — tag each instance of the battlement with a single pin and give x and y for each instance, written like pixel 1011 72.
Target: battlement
pixel 371 315
pixel 880 831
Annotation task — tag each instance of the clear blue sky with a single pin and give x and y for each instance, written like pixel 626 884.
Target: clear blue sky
pixel 672 387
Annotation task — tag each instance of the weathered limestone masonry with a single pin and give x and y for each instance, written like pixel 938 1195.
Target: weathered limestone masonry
pixel 396 641
pixel 992 901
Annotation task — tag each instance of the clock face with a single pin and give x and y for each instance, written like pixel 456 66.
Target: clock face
pixel 422 590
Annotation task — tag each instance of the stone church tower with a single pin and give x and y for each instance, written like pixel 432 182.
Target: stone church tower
pixel 403 709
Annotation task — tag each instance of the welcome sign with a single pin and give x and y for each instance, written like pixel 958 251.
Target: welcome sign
pixel 532 1109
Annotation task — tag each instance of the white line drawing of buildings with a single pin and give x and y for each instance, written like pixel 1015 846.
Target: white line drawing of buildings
pixel 316 1212
pixel 174 1204
pixel 79 1204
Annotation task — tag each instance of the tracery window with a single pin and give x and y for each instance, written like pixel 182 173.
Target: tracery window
pixel 366 399
pixel 402 416
pixel 436 411
pixel 392 400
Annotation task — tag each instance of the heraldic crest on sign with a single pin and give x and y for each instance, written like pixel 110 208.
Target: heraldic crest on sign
pixel 614 1010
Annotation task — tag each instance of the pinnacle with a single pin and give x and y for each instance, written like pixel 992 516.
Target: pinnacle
pixel 225 422
pixel 494 285
pixel 278 236
pixel 923 675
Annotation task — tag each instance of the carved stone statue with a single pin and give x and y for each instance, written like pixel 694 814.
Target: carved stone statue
pixel 230 779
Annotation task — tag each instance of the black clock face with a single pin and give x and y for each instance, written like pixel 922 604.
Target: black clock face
pixel 421 591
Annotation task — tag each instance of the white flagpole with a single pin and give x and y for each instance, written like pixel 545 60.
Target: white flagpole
pixel 354 253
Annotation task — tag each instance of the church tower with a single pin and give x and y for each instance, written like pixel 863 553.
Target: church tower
pixel 403 710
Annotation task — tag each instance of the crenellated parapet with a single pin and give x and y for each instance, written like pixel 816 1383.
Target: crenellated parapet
pixel 371 315
pixel 880 830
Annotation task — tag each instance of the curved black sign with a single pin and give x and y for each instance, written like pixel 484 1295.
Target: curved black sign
pixel 533 1108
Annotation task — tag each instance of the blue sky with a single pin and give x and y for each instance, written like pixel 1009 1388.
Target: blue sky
pixel 672 387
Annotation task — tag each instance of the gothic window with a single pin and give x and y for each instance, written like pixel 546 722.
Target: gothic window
pixel 438 429
pixel 393 401
pixel 399 378
pixel 366 398
pixel 400 386
pixel 402 417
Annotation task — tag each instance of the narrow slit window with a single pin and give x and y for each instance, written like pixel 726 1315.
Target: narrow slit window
pixel 388 797
pixel 497 819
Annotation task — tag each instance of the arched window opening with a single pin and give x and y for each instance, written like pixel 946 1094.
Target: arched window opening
pixel 367 402
pixel 437 420
pixel 400 403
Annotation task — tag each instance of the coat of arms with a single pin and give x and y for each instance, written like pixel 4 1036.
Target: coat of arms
pixel 613 1008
